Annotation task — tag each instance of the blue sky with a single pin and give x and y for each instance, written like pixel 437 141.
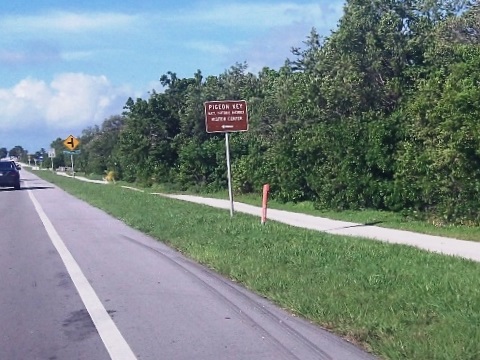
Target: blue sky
pixel 65 66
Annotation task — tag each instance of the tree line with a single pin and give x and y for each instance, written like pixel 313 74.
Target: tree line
pixel 383 113
pixel 19 153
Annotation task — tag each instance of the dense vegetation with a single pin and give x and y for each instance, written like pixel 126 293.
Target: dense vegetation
pixel 383 113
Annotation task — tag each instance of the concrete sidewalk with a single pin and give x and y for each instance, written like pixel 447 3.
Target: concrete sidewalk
pixel 82 178
pixel 466 249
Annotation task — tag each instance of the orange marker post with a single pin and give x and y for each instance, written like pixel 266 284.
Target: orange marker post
pixel 266 189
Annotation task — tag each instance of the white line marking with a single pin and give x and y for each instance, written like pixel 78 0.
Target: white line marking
pixel 116 345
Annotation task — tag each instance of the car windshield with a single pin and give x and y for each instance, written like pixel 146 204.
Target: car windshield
pixel 6 165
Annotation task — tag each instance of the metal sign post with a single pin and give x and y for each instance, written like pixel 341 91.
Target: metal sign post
pixel 229 174
pixel 71 142
pixel 51 155
pixel 71 153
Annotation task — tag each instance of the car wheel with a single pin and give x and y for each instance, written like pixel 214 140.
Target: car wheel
pixel 17 186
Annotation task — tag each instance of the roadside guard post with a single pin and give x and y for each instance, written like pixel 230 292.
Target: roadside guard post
pixel 225 117
pixel 266 189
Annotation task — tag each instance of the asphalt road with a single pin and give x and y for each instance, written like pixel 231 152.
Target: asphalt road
pixel 77 284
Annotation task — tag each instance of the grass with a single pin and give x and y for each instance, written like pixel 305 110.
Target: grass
pixel 90 176
pixel 396 301
pixel 385 219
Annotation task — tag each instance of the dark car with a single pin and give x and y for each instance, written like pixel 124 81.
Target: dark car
pixel 9 174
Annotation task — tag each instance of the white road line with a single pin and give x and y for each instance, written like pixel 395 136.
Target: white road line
pixel 116 345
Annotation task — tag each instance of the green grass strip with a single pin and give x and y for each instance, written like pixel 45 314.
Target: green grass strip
pixel 396 301
pixel 386 219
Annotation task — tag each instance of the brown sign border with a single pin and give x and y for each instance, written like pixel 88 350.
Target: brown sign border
pixel 225 126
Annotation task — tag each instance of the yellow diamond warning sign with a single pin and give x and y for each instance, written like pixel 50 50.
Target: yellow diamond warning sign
pixel 71 142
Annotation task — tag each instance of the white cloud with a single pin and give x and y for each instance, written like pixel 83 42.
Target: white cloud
pixel 63 21
pixel 246 15
pixel 9 56
pixel 268 30
pixel 76 55
pixel 252 15
pixel 210 47
pixel 71 100
pixel 33 54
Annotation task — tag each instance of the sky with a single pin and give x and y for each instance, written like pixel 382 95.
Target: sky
pixel 69 65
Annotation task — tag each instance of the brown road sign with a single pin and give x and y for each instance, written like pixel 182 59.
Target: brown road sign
pixel 71 142
pixel 226 116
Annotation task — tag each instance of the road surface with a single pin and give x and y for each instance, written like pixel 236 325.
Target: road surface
pixel 77 284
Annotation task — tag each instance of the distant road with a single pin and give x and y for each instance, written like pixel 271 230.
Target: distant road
pixel 78 284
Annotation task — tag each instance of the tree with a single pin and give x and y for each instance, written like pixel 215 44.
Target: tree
pixel 439 165
pixel 59 159
pixel 99 146
pixel 145 151
pixel 378 114
pixel 18 152
pixel 464 29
